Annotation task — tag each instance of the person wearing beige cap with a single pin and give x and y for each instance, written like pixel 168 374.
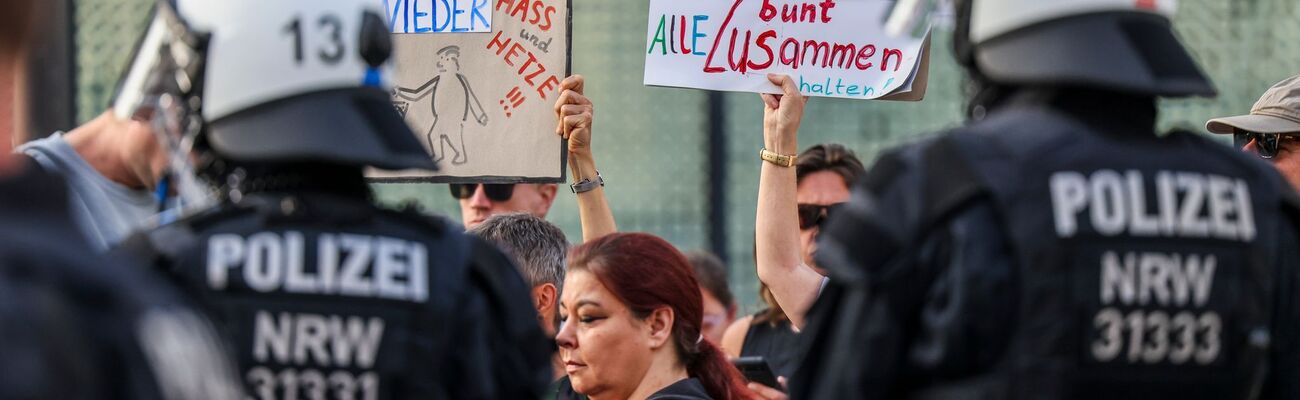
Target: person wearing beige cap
pixel 1270 129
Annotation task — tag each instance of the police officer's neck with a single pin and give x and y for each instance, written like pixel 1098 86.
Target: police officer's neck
pixel 1106 111
pixel 302 178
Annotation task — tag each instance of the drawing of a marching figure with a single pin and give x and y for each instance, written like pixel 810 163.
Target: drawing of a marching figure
pixel 450 133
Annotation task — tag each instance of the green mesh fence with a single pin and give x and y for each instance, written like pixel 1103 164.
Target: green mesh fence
pixel 651 143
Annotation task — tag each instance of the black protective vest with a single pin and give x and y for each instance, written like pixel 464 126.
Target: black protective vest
pixel 330 297
pixel 1142 264
pixel 1134 267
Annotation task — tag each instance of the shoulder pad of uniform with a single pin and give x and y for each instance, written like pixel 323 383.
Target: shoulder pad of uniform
pixel 176 237
pixel 939 171
pixel 172 239
pixel 218 213
pixel 905 194
pixel 524 347
pixel 1290 201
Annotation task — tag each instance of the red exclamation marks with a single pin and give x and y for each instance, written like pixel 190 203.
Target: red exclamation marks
pixel 512 101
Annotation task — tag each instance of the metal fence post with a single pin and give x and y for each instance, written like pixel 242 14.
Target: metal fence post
pixel 52 77
pixel 716 125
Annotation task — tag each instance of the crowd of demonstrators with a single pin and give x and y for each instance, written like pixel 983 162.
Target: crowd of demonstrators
pixel 75 324
pixel 932 275
pixel 1270 129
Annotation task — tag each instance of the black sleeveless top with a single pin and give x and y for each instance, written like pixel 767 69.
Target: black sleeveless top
pixel 776 343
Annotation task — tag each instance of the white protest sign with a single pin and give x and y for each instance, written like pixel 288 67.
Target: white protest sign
pixel 482 102
pixel 435 16
pixel 831 48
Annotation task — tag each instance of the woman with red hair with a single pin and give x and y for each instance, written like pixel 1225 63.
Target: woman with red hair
pixel 632 313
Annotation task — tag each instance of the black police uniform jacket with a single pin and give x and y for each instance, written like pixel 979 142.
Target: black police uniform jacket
pixel 1059 252
pixel 327 296
pixel 78 325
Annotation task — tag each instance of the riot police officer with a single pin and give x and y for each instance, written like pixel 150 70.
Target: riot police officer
pixel 321 293
pixel 1056 247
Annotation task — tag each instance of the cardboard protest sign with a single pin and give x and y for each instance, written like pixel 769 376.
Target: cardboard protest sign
pixel 477 80
pixel 831 48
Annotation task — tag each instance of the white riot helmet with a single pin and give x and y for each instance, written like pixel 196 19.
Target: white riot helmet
pixel 1120 45
pixel 272 81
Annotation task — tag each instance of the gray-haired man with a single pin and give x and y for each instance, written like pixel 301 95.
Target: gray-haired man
pixel 538 248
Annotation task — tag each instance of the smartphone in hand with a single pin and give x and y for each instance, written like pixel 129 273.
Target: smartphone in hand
pixel 756 369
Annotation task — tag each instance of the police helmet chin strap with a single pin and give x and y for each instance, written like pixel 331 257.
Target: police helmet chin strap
pixel 164 85
pixel 176 129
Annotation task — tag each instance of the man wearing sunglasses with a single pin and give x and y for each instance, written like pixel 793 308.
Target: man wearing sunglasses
pixel 479 201
pixel 1270 129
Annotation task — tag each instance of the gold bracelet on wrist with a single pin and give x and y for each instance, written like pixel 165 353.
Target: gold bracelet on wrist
pixel 777 159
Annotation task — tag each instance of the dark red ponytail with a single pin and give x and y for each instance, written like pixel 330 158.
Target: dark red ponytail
pixel 647 273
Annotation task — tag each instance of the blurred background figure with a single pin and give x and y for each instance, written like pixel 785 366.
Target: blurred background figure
pixel 719 304
pixel 1001 259
pixel 73 324
pixel 294 254
pixel 1270 130
pixel 632 315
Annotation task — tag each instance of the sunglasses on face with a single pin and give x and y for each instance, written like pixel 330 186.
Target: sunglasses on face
pixel 1267 144
pixel 813 215
pixel 494 191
